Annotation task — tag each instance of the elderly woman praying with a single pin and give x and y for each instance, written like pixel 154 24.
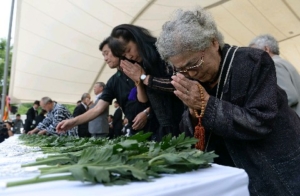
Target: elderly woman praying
pixel 233 102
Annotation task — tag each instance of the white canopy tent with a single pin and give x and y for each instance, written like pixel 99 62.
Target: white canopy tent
pixel 56 41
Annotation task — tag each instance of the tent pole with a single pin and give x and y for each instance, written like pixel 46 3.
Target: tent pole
pixel 7 60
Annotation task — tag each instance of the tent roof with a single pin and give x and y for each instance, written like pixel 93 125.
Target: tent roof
pixel 56 42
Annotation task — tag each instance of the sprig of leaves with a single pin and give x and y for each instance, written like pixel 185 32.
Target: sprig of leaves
pixel 118 161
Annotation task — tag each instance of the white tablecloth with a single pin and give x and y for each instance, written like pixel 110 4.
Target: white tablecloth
pixel 214 181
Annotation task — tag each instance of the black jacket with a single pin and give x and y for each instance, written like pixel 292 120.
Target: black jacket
pixel 260 130
pixel 30 116
pixel 118 122
pixel 83 129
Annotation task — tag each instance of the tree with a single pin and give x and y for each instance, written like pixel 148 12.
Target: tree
pixel 2 62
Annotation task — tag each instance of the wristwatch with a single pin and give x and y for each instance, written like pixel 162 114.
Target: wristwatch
pixel 143 77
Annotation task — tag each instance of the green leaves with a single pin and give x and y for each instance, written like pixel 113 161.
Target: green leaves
pixel 118 161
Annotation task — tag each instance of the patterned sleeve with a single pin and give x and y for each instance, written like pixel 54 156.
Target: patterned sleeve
pixel 59 115
pixel 163 84
pixel 44 124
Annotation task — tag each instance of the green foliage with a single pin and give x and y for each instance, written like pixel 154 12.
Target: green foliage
pixel 117 161
pixel 2 61
pixel 70 107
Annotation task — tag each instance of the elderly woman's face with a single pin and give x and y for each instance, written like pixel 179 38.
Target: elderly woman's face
pixel 190 63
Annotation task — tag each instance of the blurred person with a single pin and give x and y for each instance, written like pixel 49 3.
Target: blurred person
pixel 118 87
pixel 98 127
pixel 235 106
pixel 39 118
pixel 5 131
pixel 18 124
pixel 288 77
pixel 126 129
pixel 118 120
pixel 31 114
pixel 83 129
pixel 55 114
pixel 78 102
pixel 110 119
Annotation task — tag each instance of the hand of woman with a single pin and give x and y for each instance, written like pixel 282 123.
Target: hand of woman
pixel 133 71
pixel 139 121
pixel 188 91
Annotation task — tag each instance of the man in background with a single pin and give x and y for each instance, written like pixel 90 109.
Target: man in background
pixel 18 124
pixel 55 114
pixel 118 120
pixel 30 116
pixel 83 129
pixel 110 125
pixel 288 77
pixel 99 126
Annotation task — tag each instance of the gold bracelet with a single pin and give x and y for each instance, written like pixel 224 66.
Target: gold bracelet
pixel 137 83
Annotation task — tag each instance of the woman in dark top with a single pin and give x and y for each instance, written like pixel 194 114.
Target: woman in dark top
pixel 39 118
pixel 139 47
pixel 235 95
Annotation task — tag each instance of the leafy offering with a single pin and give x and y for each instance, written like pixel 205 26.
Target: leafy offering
pixel 114 162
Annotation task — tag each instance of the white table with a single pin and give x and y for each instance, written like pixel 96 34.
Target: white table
pixel 214 181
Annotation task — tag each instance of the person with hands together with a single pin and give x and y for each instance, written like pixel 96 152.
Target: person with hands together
pixel 152 76
pixel 235 105
pixel 118 87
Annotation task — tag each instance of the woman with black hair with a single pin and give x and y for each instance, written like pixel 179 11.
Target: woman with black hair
pixel 144 66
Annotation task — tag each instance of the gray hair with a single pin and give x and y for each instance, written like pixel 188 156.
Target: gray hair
pixel 46 100
pixel 266 40
pixel 101 84
pixel 190 30
pixel 85 95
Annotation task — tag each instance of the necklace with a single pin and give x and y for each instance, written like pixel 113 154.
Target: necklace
pixel 199 129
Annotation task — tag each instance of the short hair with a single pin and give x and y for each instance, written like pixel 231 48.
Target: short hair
pixel 103 43
pixel 111 116
pixel 268 40
pixel 84 95
pixel 36 102
pixel 18 115
pixel 101 84
pixel 189 30
pixel 116 102
pixel 46 100
pixel 79 101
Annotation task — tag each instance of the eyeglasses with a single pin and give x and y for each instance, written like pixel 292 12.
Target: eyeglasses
pixel 185 70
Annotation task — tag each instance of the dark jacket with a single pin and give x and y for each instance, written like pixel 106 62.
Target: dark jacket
pixel 38 119
pixel 83 129
pixel 118 122
pixel 260 130
pixel 30 116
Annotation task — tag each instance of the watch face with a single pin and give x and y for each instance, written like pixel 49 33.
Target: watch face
pixel 143 77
